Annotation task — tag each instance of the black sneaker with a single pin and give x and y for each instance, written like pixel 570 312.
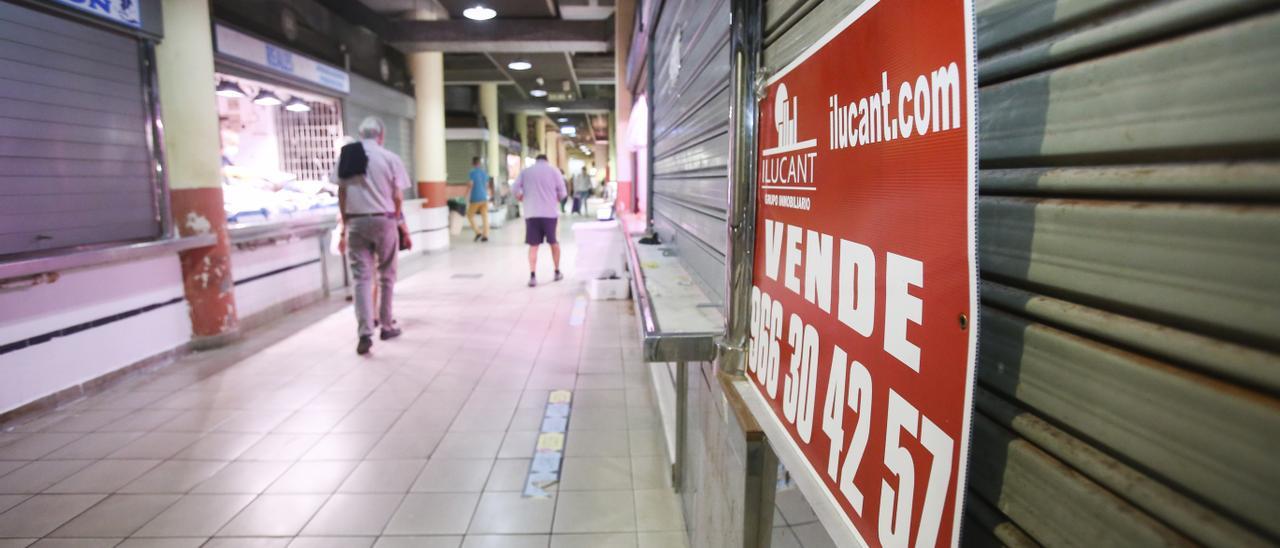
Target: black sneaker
pixel 389 333
pixel 533 281
pixel 477 238
pixel 559 276
pixel 362 347
pixel 484 239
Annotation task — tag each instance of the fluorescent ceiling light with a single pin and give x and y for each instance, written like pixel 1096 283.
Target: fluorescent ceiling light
pixel 562 120
pixel 267 99
pixel 479 13
pixel 538 92
pixel 553 109
pixel 297 105
pixel 569 130
pixel 229 89
pixel 519 64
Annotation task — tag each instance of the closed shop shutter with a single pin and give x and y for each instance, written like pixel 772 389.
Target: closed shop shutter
pixel 75 165
pixel 458 155
pixel 1128 221
pixel 691 134
pixel 369 98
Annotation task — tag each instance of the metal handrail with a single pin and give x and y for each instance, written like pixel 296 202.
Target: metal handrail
pixel 265 232
pixel 659 345
pixel 83 257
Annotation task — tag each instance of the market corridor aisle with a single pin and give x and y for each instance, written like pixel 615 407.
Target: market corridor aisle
pixel 427 442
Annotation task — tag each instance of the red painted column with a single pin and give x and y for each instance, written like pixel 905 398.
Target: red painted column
pixel 206 271
pixel 184 67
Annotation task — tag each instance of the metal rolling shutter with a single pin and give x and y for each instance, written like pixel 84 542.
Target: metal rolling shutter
pixel 1128 223
pixel 370 98
pixel 691 134
pixel 75 165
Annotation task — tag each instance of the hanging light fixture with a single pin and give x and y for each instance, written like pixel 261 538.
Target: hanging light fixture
pixel 562 119
pixel 520 64
pixel 538 93
pixel 479 13
pixel 227 88
pixel 553 109
pixel 267 99
pixel 297 105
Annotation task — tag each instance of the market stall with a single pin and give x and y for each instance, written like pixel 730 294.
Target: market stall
pixel 279 148
pixel 281 128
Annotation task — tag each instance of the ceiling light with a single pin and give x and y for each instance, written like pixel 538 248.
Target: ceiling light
pixel 229 89
pixel 267 99
pixel 549 109
pixel 519 64
pixel 562 120
pixel 569 130
pixel 297 105
pixel 538 93
pixel 479 13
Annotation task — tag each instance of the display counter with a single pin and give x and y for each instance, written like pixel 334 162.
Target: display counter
pixel 281 266
pixel 679 323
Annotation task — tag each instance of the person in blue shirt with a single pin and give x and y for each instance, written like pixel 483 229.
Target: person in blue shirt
pixel 478 199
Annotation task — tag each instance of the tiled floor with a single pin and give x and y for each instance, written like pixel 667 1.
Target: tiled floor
pixel 302 443
pixel 795 525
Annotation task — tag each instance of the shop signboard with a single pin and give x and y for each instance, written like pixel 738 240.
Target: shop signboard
pixel 277 59
pixel 124 12
pixel 864 297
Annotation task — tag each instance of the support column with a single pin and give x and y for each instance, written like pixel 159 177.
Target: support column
pixel 428 127
pixel 562 154
pixel 489 108
pixel 427 69
pixel 540 133
pixel 552 149
pixel 619 120
pixel 611 151
pixel 522 127
pixel 184 69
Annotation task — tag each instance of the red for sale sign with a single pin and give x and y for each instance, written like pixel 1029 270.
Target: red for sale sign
pixel 865 290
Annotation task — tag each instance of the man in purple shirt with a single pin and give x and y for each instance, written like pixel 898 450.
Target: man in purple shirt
pixel 541 187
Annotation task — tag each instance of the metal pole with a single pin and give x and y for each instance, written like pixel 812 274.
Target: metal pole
pixel 761 486
pixel 650 59
pixel 682 425
pixel 746 47
pixel 155 141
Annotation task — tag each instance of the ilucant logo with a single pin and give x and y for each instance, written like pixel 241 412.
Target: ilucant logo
pixel 785 166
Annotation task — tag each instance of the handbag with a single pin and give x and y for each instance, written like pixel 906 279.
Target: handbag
pixel 406 243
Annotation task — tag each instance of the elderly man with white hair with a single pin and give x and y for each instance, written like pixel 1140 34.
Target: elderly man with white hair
pixel 371 182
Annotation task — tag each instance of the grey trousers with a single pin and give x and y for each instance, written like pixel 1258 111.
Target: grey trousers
pixel 372 243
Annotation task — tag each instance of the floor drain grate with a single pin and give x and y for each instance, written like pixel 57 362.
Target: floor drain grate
pixel 468 276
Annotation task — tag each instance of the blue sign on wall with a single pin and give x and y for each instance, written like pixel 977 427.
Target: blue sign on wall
pixel 120 11
pixel 279 59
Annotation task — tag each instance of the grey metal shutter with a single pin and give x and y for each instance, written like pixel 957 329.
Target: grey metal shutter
pixel 458 155
pixel 1129 242
pixel 75 165
pixel 396 109
pixel 690 139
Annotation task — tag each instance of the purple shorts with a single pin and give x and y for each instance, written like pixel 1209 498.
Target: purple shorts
pixel 540 229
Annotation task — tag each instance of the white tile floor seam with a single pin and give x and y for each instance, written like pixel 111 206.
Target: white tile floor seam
pixel 427 442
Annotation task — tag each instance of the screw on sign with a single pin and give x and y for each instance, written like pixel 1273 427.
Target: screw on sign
pixel 865 281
